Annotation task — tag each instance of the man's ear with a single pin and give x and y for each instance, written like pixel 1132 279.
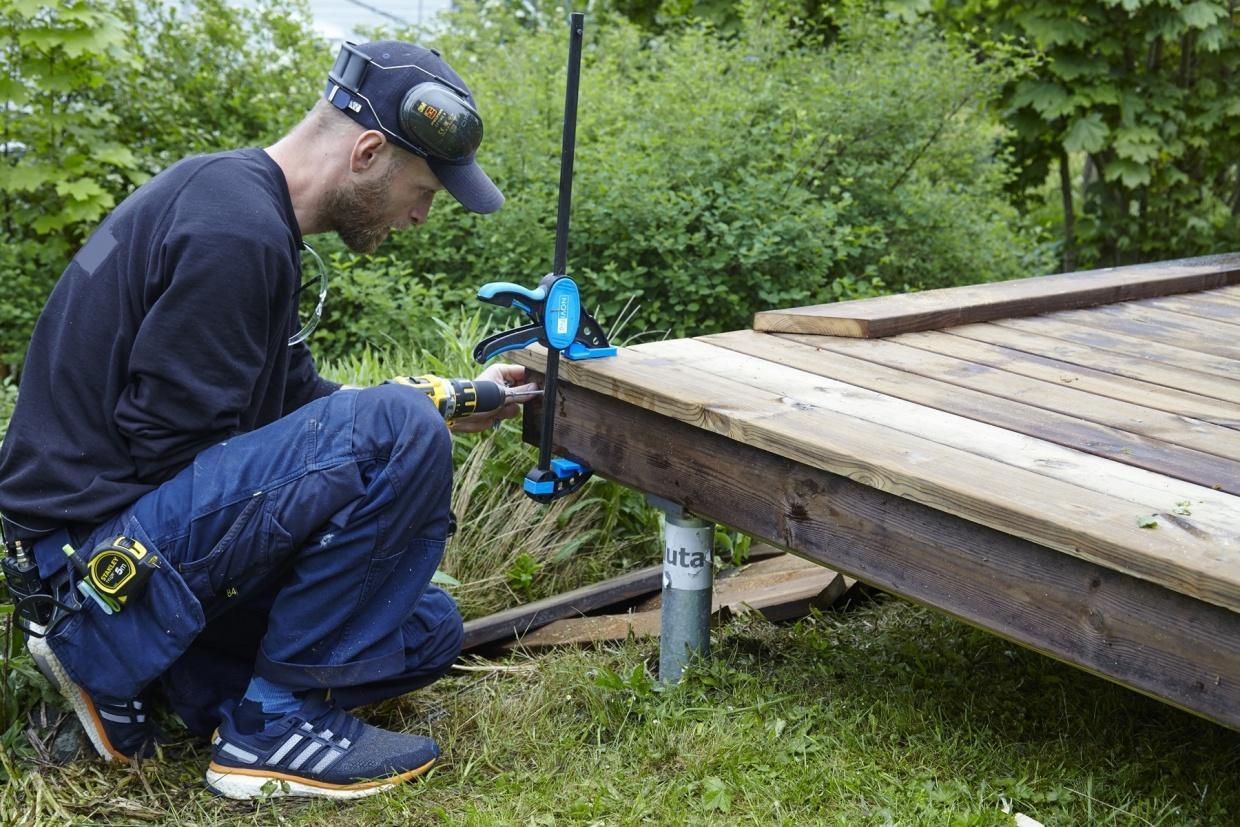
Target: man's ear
pixel 366 150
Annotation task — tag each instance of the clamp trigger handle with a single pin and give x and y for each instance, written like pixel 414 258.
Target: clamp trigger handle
pixel 507 294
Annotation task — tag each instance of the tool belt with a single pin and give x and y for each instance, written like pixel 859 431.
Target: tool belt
pixel 112 574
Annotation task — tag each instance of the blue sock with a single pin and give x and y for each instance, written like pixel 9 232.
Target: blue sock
pixel 274 698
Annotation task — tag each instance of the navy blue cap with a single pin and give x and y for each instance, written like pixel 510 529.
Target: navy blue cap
pixel 371 83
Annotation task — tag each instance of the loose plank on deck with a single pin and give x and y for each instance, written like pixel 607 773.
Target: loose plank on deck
pixel 1184 557
pixel 1068 446
pixel 947 307
pixel 1173 376
pixel 1171 646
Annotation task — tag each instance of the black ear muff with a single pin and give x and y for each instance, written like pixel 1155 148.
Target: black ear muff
pixel 435 118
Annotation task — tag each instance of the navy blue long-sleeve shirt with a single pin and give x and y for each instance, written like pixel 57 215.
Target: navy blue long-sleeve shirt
pixel 167 333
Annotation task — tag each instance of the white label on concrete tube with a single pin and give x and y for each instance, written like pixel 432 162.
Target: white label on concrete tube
pixel 686 557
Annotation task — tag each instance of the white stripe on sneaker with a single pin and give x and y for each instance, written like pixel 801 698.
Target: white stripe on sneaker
pixel 284 749
pixel 310 749
pixel 325 760
pixel 108 716
pixel 239 754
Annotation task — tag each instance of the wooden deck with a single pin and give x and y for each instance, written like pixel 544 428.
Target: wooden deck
pixel 1067 479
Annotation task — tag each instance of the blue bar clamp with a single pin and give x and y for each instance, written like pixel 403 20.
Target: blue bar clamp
pixel 558 321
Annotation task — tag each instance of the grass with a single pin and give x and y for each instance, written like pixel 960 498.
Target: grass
pixel 886 714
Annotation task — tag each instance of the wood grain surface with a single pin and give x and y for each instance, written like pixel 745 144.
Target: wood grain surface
pixel 1117 448
pixel 815 421
pixel 1170 375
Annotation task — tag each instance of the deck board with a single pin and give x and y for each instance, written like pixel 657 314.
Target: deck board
pixel 1126 416
pixel 1201 335
pixel 1215 389
pixel 1124 449
pixel 1105 337
pixel 1197 304
pixel 1079 376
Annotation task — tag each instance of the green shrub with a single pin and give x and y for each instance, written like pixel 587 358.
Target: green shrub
pixel 716 177
pixel 102 95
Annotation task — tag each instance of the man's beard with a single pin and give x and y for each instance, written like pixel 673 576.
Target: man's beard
pixel 357 212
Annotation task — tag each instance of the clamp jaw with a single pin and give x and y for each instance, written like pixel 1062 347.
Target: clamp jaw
pixel 559 324
pixel 557 320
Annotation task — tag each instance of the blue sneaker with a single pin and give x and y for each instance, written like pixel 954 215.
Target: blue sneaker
pixel 118 730
pixel 320 750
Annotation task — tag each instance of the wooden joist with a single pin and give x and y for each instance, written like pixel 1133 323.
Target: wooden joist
pixel 947 307
pixel 780 588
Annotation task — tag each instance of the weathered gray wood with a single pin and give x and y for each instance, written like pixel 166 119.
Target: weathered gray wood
pixel 1171 375
pixel 1173 647
pixel 1204 305
pixel 518 620
pixel 935 309
pixel 1165 326
pixel 1098 334
pixel 1081 376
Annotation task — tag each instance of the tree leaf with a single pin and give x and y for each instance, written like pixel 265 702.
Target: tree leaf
pixel 1046 97
pixel 715 794
pixel 1202 14
pixel 1087 134
pixel 1131 173
pixel 1138 143
pixel 1147 521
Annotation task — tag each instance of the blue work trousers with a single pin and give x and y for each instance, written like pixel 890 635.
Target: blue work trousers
pixel 301 552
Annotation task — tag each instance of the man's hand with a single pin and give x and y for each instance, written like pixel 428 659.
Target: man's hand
pixel 512 376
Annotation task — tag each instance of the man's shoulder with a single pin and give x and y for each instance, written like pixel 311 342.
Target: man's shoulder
pixel 237 199
pixel 244 184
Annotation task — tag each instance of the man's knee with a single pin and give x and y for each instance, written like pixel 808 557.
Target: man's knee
pixel 444 631
pixel 395 422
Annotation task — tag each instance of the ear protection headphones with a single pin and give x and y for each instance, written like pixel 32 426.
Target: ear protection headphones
pixel 435 119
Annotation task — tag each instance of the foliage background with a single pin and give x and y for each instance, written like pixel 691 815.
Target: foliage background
pixel 731 157
pixel 720 170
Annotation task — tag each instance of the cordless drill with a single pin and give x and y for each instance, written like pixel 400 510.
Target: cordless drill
pixel 454 398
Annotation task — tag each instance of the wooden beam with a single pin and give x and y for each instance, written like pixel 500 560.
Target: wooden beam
pixel 1170 646
pixel 935 309
pixel 518 620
